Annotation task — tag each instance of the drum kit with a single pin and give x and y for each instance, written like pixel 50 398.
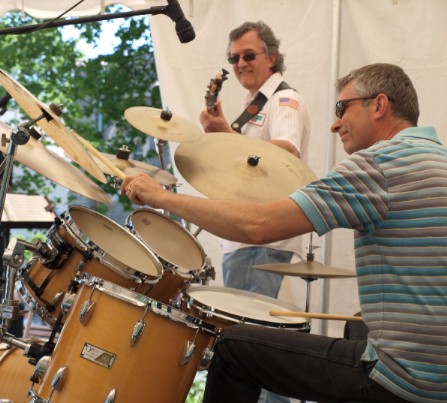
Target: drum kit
pixel 131 314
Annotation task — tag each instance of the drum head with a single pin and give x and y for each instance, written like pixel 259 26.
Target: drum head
pixel 115 241
pixel 168 239
pixel 243 306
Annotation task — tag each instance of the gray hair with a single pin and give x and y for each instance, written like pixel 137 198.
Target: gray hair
pixel 388 79
pixel 268 38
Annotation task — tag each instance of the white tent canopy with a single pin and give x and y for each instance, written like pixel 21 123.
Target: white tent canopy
pixel 321 39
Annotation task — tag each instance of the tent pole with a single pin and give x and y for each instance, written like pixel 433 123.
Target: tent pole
pixel 330 152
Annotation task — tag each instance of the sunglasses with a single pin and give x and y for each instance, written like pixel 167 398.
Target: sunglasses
pixel 340 106
pixel 248 57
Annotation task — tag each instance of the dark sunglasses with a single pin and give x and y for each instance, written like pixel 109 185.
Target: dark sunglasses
pixel 340 106
pixel 248 57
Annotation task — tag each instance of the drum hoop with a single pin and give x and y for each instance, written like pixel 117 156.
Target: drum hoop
pixel 98 251
pixel 218 312
pixel 140 300
pixel 172 265
pixel 33 305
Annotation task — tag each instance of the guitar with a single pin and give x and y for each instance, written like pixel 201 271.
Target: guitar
pixel 214 87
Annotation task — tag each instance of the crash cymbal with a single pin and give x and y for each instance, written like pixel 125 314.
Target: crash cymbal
pixel 162 124
pixel 133 167
pixel 51 125
pixel 306 269
pixel 233 166
pixel 47 163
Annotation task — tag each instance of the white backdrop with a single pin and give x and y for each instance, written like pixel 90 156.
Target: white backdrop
pixel 410 33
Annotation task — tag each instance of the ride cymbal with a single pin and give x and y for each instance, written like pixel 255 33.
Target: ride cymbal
pixel 162 124
pixel 306 269
pixel 47 163
pixel 51 125
pixel 237 167
pixel 133 167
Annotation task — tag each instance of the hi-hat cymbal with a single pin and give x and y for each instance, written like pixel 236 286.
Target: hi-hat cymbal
pixel 133 167
pixel 51 125
pixel 232 166
pixel 306 269
pixel 157 123
pixel 47 163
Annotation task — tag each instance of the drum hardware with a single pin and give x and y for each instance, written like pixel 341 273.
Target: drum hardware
pixel 13 258
pixel 111 396
pixel 139 328
pixel 207 357
pixel 190 349
pixel 87 308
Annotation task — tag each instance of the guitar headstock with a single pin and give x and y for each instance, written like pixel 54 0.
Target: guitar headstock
pixel 214 87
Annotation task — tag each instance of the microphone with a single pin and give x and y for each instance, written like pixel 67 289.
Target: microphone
pixel 183 27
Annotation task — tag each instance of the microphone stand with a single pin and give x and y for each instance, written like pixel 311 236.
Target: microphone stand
pixel 24 29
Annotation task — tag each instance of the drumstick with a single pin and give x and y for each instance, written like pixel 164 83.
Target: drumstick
pixel 116 171
pixel 315 315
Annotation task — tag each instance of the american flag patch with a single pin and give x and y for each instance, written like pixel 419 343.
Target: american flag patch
pixel 293 103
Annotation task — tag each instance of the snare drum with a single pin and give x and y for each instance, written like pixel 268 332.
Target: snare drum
pixel 228 306
pixel 93 244
pixel 178 250
pixel 116 342
pixel 15 373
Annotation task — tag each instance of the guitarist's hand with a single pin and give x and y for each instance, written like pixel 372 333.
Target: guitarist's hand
pixel 214 120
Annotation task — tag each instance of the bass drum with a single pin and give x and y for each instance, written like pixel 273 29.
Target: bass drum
pixel 180 253
pixel 224 307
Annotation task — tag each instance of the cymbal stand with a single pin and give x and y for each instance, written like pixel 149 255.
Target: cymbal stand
pixel 310 256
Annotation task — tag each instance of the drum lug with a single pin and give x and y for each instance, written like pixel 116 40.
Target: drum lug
pixel 111 396
pixel 188 352
pixel 207 356
pixel 137 331
pixel 59 378
pixel 40 369
pixel 86 311
pixel 67 302
pixel 139 327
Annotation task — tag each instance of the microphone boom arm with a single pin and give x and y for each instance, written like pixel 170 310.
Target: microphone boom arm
pixel 24 29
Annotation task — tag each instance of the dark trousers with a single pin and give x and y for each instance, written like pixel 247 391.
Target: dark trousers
pixel 290 363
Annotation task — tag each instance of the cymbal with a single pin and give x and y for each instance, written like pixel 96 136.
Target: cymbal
pixel 47 163
pixel 51 125
pixel 223 166
pixel 133 167
pixel 306 269
pixel 151 121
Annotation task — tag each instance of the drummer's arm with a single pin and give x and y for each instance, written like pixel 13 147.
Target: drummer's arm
pixel 247 222
pixel 243 221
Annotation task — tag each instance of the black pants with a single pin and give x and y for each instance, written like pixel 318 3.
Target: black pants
pixel 290 363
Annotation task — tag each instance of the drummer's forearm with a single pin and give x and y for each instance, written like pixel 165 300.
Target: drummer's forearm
pixel 247 222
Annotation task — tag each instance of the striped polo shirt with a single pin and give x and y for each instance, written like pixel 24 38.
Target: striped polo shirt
pixel 394 195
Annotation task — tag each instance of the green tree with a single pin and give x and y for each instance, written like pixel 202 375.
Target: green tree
pixel 94 92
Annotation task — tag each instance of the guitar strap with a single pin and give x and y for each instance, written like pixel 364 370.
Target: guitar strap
pixel 254 107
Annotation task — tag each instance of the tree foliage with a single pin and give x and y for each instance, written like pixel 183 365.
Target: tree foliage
pixel 94 91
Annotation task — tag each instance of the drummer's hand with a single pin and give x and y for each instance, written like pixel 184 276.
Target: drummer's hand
pixel 214 120
pixel 141 189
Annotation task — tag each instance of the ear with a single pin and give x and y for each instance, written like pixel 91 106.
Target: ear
pixel 272 60
pixel 382 106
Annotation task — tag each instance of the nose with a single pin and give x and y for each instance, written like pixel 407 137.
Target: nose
pixel 336 125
